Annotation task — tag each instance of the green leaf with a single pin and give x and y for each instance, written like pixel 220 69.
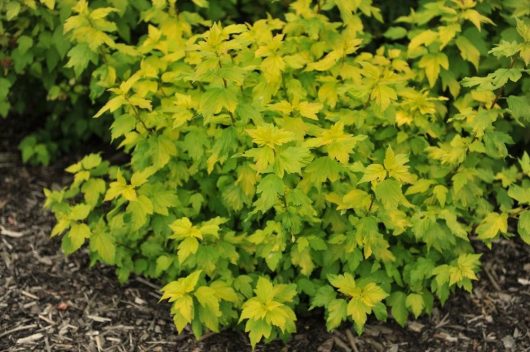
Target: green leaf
pixel 269 189
pixel 291 160
pixel 397 302
pixel 79 58
pixel 105 247
pixel 395 33
pixel 518 106
pixel 523 226
pixel 389 193
pixel 324 295
pixel 520 194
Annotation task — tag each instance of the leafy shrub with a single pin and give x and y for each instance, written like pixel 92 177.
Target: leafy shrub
pixel 305 162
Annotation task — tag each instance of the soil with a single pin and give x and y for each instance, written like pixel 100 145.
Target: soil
pixel 49 302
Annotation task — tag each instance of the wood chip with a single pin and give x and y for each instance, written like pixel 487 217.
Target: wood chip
pixel 340 343
pixel 523 282
pixel 18 328
pixel 29 295
pixel 351 339
pixel 445 336
pixel 9 233
pixel 415 326
pixel 30 339
pixel 98 318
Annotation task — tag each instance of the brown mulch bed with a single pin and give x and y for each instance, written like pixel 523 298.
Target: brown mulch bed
pixel 49 302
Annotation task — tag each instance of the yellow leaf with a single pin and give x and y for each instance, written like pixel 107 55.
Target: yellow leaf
pixel 309 110
pixel 424 38
pixel 468 51
pixel 272 68
pixel 372 294
pixel 432 63
pixel 476 18
pixel 492 224
pixel 270 135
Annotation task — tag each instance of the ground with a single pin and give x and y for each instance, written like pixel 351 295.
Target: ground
pixel 49 302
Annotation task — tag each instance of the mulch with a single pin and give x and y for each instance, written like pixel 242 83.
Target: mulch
pixel 49 302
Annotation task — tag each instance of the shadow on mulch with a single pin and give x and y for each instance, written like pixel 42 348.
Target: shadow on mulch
pixel 49 302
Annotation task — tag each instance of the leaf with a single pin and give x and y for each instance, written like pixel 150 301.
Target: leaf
pixel 292 160
pixel 345 284
pixel 91 161
pixel 163 263
pixel 309 110
pixel 79 58
pixel 183 228
pixel 465 268
pixel 111 106
pixel 272 68
pixel 358 311
pixel 336 313
pixel 139 209
pixel 520 194
pixel 415 303
pixel 492 224
pixel 269 190
pixel 396 166
pixel 468 51
pixel 424 38
pixel 79 212
pixel 178 288
pixel 162 149
pixel 77 235
pixel 105 247
pixel 208 299
pixel 323 297
pixel 257 330
pixel 372 294
pixel 431 63
pixel 397 302
pixel 270 135
pixel 518 106
pixel 395 33
pixel 389 193
pixel 187 247
pixel 523 226
pixel 374 173
pixel 214 100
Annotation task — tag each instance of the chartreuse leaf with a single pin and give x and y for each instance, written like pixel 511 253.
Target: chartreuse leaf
pixel 415 304
pixel 492 225
pixel 364 297
pixel 268 310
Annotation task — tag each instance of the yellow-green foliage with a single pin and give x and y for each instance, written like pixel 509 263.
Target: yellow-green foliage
pixel 307 160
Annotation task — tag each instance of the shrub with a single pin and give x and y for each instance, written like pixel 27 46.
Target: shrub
pixel 305 162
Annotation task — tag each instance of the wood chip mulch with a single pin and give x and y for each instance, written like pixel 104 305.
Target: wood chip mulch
pixel 49 302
